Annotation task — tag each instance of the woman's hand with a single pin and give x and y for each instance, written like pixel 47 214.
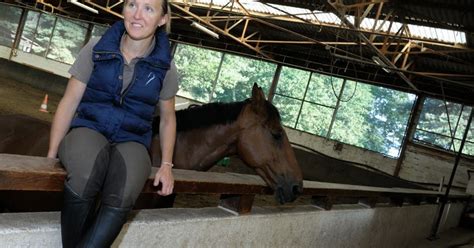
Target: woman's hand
pixel 167 139
pixel 164 175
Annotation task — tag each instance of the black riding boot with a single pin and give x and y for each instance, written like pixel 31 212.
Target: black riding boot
pixel 76 215
pixel 107 226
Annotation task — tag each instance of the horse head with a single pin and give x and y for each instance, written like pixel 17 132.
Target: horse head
pixel 264 146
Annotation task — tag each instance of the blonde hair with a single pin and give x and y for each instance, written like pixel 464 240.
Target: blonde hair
pixel 167 26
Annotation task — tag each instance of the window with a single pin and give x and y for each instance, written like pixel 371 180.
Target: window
pixel 197 69
pixel 9 19
pixel 37 33
pixel 289 94
pixel 372 117
pixel 98 30
pixel 67 40
pixel 436 129
pixel 319 104
pixel 237 76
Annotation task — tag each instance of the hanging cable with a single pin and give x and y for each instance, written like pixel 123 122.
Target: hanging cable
pixel 339 98
pixel 447 114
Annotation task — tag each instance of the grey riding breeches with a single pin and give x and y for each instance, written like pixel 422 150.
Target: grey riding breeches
pixel 94 165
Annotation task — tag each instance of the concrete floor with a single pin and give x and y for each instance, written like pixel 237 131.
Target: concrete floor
pixel 453 238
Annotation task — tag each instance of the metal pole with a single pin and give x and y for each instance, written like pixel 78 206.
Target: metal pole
pixel 410 131
pixel 19 32
pixel 444 199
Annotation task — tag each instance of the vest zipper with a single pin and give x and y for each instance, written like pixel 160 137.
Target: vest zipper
pixel 122 96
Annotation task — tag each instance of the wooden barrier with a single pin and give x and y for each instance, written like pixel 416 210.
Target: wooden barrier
pixel 26 173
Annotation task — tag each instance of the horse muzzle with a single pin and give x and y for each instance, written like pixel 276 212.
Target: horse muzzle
pixel 288 191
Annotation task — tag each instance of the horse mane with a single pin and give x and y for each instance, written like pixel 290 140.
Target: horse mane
pixel 199 116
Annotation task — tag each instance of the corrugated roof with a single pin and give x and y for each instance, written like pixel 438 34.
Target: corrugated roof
pixel 425 32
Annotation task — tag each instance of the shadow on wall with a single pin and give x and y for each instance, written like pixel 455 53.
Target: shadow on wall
pixel 319 167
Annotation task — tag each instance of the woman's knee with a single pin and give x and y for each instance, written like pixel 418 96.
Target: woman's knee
pixel 85 155
pixel 130 167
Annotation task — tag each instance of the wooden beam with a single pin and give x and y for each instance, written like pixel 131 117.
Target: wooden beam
pixel 222 31
pixel 26 173
pixel 106 9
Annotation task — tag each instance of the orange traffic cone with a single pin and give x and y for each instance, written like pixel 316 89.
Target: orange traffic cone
pixel 44 105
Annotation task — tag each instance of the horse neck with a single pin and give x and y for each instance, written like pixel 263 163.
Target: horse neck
pixel 202 148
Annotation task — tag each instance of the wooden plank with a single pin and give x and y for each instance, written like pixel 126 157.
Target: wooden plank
pixel 30 173
pixel 42 174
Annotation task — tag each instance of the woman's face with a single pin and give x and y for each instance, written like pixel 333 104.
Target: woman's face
pixel 143 17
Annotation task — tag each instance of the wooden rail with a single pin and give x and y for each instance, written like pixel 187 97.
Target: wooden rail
pixel 26 173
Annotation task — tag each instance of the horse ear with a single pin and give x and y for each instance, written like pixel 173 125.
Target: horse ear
pixel 257 94
pixel 258 98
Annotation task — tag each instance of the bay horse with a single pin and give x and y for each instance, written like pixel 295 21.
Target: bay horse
pixel 205 134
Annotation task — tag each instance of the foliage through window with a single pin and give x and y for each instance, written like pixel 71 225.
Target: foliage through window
pixel 98 30
pixel 366 116
pixel 9 19
pixel 67 40
pixel 435 128
pixel 197 70
pixel 37 33
pixel 289 94
pixel 372 117
pixel 237 76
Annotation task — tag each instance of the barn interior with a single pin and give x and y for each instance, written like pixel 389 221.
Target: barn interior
pixel 419 51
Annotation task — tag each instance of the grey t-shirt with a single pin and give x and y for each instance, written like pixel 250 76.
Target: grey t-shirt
pixel 83 66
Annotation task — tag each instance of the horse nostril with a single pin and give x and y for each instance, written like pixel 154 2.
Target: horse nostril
pixel 280 195
pixel 297 190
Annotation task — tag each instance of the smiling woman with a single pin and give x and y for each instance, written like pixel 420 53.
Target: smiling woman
pixel 102 128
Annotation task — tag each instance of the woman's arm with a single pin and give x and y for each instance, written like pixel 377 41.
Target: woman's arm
pixel 167 139
pixel 64 114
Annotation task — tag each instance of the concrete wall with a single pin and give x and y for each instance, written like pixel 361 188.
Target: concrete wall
pixel 421 164
pixel 304 226
pixel 348 152
pixel 425 165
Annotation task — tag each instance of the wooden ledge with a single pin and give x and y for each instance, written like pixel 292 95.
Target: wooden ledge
pixel 26 173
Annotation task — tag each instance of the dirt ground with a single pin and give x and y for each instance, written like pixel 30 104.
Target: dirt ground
pixel 19 98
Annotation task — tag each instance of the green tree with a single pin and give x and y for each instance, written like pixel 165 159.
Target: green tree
pixel 374 118
pixel 37 33
pixel 320 102
pixel 289 94
pixel 237 76
pixel 435 128
pixel 9 19
pixel 197 69
pixel 67 40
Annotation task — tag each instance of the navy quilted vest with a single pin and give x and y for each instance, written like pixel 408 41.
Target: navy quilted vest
pixel 126 116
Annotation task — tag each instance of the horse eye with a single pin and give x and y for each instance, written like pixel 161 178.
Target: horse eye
pixel 277 135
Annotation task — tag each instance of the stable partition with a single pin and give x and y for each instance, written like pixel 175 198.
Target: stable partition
pixel 298 226
pixel 376 217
